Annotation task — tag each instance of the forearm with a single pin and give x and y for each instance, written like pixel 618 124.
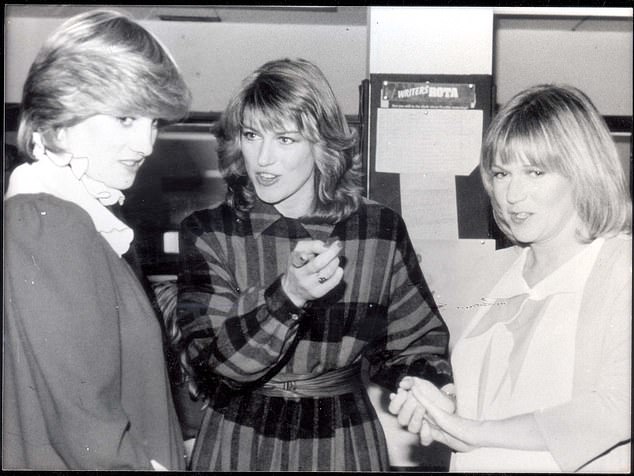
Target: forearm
pixel 238 336
pixel 419 352
pixel 519 432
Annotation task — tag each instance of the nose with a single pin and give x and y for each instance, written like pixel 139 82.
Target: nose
pixel 265 154
pixel 516 190
pixel 143 136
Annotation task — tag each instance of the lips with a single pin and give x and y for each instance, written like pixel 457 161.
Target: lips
pixel 132 163
pixel 519 217
pixel 266 179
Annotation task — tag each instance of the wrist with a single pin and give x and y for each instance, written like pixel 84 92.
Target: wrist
pixel 296 300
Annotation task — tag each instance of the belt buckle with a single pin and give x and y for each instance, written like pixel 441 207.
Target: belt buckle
pixel 289 385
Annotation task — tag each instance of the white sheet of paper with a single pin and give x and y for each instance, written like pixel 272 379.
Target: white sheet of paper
pixel 432 141
pixel 428 206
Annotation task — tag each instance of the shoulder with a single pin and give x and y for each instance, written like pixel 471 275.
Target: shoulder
pixel 43 214
pixel 614 262
pixel 618 248
pixel 55 234
pixel 209 219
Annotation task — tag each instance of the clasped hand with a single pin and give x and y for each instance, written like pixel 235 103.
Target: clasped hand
pixel 313 271
pixel 430 412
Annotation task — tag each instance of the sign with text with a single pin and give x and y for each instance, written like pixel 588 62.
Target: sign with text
pixel 428 95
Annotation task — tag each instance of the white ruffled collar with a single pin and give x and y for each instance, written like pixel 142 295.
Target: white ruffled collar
pixel 64 177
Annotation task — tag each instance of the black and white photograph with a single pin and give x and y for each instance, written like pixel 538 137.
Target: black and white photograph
pixel 310 238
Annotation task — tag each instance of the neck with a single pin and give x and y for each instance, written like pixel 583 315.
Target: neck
pixel 543 259
pixel 300 204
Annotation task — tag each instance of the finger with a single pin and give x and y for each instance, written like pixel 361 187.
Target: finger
pixel 448 423
pixel 316 289
pixel 328 271
pixel 335 279
pixel 396 401
pixel 300 258
pixel 426 438
pixel 407 411
pixel 407 382
pixel 416 422
pixel 423 389
pixel 320 261
pixel 315 247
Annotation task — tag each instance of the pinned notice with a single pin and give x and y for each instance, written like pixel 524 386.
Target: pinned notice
pixel 430 141
pixel 428 206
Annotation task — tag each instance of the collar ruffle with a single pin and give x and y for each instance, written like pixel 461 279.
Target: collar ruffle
pixel 64 177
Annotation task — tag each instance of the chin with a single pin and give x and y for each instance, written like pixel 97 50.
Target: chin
pixel 268 198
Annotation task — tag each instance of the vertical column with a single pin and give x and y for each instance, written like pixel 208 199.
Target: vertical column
pixel 409 46
pixel 430 40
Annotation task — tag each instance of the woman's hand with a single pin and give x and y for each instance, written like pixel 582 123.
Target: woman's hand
pixel 444 425
pixel 313 271
pixel 408 409
pixel 518 432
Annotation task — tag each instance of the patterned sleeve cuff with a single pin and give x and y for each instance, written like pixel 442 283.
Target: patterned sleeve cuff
pixel 390 377
pixel 438 373
pixel 279 305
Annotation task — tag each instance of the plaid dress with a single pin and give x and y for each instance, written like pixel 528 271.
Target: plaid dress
pixel 239 329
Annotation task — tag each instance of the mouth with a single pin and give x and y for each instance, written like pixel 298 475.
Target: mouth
pixel 519 217
pixel 132 163
pixel 266 179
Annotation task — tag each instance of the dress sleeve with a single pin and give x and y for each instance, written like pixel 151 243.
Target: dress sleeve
pixel 599 417
pixel 63 333
pixel 417 338
pixel 238 334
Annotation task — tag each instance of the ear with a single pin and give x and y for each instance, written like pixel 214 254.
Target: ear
pixel 61 137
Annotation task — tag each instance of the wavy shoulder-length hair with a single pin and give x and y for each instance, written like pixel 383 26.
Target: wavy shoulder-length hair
pixel 293 90
pixel 558 129
pixel 99 62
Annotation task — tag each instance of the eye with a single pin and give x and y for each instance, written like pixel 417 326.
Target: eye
pixel 126 121
pixel 498 174
pixel 536 172
pixel 286 140
pixel 249 135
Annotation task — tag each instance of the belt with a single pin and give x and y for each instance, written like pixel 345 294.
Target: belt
pixel 332 383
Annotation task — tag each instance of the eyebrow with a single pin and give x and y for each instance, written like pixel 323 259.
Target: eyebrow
pixel 254 128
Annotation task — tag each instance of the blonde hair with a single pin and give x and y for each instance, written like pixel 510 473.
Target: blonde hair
pixel 293 90
pixel 557 128
pixel 99 62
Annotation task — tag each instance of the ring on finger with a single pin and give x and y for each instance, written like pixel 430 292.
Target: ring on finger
pixel 322 279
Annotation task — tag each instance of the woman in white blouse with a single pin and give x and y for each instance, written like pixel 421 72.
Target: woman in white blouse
pixel 542 368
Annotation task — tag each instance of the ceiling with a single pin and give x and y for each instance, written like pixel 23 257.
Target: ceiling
pixel 330 15
pixel 588 19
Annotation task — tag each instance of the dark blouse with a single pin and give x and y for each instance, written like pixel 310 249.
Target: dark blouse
pixel 85 380
pixel 238 323
pixel 240 329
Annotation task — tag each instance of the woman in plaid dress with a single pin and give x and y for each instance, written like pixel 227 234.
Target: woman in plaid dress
pixel 293 282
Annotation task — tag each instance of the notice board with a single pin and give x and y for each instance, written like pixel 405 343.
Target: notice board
pixel 424 134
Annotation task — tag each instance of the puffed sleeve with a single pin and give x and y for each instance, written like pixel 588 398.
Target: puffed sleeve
pixel 239 334
pixel 417 338
pixel 62 340
pixel 598 417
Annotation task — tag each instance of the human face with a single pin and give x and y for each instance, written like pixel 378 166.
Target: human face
pixel 115 147
pixel 538 206
pixel 281 166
